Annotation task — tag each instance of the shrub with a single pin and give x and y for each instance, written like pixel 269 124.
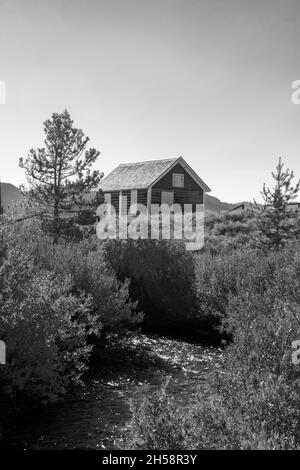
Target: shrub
pixel 156 424
pixel 254 399
pixel 44 326
pixel 161 277
pixel 218 277
pixel 230 231
pixel 84 263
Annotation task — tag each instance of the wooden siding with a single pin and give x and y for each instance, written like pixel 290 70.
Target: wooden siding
pixel 166 181
pixel 115 200
pixel 181 196
pixel 156 196
pixel 127 193
pixel 142 196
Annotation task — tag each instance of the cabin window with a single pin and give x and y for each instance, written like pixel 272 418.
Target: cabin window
pixel 178 180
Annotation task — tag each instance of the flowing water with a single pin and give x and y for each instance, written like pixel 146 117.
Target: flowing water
pixel 95 416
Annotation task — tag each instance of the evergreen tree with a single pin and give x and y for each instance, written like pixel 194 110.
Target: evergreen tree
pixel 276 223
pixel 60 177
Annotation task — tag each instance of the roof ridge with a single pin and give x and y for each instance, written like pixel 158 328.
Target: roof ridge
pixel 149 161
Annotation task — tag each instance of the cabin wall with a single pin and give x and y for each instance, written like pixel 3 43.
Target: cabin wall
pixel 181 196
pixel 115 198
pixel 127 195
pixel 191 193
pixel 142 196
pixel 166 181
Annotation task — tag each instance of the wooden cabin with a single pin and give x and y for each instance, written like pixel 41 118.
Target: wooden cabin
pixel 170 181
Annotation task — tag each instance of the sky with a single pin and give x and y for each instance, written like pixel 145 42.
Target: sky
pixel 208 80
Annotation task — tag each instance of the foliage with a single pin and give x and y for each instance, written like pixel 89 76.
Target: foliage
pixel 230 231
pixel 253 401
pixel 161 277
pixel 218 277
pixel 55 296
pixel 60 178
pixel 53 300
pixel 277 225
pixel 45 327
pixel 156 423
pixel 88 272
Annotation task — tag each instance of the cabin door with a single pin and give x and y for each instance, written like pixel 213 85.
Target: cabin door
pixel 167 197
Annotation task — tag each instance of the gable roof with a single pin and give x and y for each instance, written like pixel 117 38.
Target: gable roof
pixel 142 175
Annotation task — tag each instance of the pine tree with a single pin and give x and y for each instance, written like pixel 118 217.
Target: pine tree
pixel 276 223
pixel 60 177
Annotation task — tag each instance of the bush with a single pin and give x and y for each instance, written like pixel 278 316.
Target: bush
pixel 161 277
pixel 218 277
pixel 43 324
pixel 84 263
pixel 53 300
pixel 157 423
pixel 179 288
pixel 230 231
pixel 254 399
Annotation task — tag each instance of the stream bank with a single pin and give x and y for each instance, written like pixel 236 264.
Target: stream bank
pixel 94 416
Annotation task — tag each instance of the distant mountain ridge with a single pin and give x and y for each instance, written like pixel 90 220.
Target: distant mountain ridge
pixel 10 194
pixel 213 204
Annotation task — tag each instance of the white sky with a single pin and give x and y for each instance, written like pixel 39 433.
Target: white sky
pixel 206 79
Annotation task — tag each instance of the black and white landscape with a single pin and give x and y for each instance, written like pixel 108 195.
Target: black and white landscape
pixel 149 227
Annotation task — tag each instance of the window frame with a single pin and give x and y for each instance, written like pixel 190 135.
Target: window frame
pixel 176 175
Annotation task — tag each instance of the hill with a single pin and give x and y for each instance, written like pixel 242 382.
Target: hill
pixel 9 195
pixel 213 204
